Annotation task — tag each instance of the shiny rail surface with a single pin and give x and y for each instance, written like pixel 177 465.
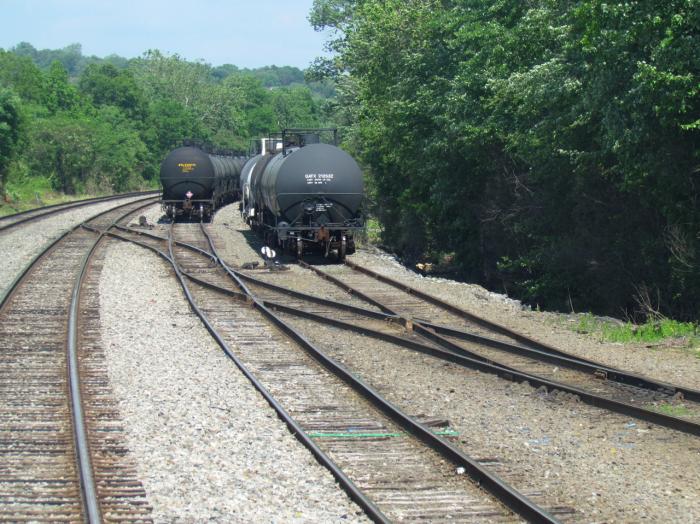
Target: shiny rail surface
pixel 594 384
pixel 30 215
pixel 511 338
pixel 44 429
pixel 289 375
pixel 602 386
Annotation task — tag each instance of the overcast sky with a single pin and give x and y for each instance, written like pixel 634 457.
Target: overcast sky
pixel 246 33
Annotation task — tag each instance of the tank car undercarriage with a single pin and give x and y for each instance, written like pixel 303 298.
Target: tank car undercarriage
pixel 331 240
pixel 194 210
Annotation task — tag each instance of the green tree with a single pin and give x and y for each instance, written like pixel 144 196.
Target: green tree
pixel 87 153
pixel 295 107
pixel 22 75
pixel 172 77
pixel 107 85
pixel 59 94
pixel 214 106
pixel 559 140
pixel 70 57
pixel 10 132
pixel 168 123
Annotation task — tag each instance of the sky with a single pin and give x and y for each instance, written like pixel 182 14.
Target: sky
pixel 246 33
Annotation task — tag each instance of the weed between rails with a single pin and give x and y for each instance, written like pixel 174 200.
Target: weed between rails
pixel 673 410
pixel 687 334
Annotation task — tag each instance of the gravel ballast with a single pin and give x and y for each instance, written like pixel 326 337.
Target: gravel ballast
pixel 609 467
pixel 671 364
pixel 208 446
pixel 22 243
pixel 579 455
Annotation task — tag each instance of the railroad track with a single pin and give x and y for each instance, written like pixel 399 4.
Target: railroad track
pixel 381 452
pixel 362 313
pixel 375 308
pixel 541 366
pixel 17 219
pixel 60 438
pixel 371 309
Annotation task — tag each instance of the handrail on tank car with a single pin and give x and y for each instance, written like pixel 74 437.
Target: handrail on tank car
pixel 301 132
pixel 269 144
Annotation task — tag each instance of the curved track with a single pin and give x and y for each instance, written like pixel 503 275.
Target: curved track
pixel 359 300
pixel 53 407
pixel 392 312
pixel 463 333
pixel 17 219
pixel 390 456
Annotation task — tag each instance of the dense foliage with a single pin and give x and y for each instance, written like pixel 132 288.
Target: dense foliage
pixel 98 125
pixel 10 122
pixel 553 147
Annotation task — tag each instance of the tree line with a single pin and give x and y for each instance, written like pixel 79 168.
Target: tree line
pixel 85 124
pixel 551 147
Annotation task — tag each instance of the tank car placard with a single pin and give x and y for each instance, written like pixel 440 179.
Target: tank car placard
pixel 187 167
pixel 315 179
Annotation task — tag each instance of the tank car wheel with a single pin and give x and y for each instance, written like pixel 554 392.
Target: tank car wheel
pixel 342 250
pixel 300 248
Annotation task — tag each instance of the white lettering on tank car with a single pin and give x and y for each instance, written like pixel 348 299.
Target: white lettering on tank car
pixel 313 179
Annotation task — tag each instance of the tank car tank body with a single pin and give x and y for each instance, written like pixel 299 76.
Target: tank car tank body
pixel 304 195
pixel 195 183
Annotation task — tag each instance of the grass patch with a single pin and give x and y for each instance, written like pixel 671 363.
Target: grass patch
pixel 374 231
pixel 651 331
pixel 371 235
pixel 672 410
pixel 31 192
pixel 654 330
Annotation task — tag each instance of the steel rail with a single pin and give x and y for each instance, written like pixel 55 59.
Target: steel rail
pixel 429 329
pixel 353 491
pixel 467 359
pixel 248 278
pixel 80 434
pixel 516 501
pixel 85 471
pixel 493 326
pixel 191 247
pixel 13 285
pixel 561 358
pixel 569 361
pixel 462 360
pixel 590 398
pixel 348 485
pixel 65 206
pixel 82 445
pixel 573 361
pixel 70 202
pixel 588 366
